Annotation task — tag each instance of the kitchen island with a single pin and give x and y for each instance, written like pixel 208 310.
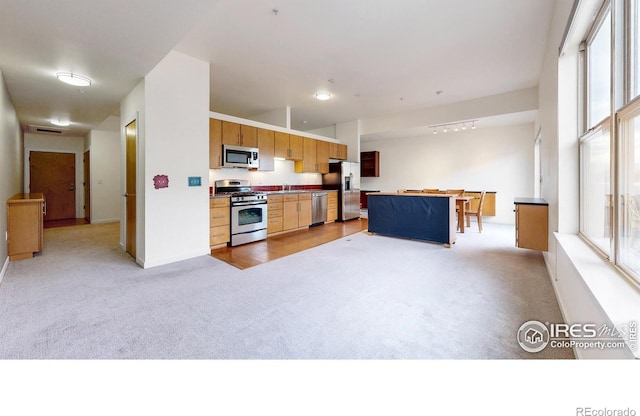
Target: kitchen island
pixel 427 217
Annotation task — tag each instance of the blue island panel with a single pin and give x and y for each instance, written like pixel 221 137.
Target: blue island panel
pixel 426 218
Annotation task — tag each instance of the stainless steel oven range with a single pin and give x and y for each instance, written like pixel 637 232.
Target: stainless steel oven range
pixel 248 211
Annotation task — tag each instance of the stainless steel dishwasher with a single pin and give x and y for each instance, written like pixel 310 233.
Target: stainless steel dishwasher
pixel 318 208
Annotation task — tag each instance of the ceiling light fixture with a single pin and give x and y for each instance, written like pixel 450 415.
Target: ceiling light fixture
pixel 455 125
pixel 73 79
pixel 323 95
pixel 61 123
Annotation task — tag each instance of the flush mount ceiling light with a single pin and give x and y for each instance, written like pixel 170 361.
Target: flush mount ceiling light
pixel 58 122
pixel 323 95
pixel 73 79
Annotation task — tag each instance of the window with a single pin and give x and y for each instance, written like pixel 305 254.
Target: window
pixel 596 201
pixel 596 218
pixel 610 204
pixel 599 71
pixel 629 252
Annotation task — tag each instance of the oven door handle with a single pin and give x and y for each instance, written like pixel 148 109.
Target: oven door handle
pixel 244 204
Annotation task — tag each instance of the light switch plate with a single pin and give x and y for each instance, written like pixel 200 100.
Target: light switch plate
pixel 195 181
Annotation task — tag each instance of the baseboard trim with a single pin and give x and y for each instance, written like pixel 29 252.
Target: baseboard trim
pixel 4 269
pixel 105 221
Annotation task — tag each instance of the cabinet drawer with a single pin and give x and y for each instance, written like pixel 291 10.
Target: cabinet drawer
pixel 219 235
pixel 304 196
pixel 275 206
pixel 274 225
pixel 274 213
pixel 219 216
pixel 219 202
pixel 290 198
pixel 274 198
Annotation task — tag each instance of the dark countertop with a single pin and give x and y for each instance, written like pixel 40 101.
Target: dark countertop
pixel 530 201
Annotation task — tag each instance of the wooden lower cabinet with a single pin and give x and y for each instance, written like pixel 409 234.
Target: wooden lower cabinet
pixel 296 211
pixel 332 206
pixel 489 207
pixel 25 221
pixel 219 221
pixel 274 214
pixel 532 223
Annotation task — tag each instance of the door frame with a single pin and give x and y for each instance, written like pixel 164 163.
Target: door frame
pixel 139 190
pixel 86 167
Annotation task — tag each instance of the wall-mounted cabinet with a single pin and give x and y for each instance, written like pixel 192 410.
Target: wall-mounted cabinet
pixel 310 155
pixel 239 134
pixel 215 143
pixel 315 157
pixel 338 151
pixel 532 223
pixel 266 146
pixel 288 146
pixel 370 164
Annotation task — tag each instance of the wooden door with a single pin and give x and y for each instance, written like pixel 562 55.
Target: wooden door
pixel 54 174
pixel 87 185
pixel 130 188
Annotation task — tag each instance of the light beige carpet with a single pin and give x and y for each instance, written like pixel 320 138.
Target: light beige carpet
pixel 360 297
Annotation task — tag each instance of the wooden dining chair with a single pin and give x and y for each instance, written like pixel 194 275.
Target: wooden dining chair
pixel 477 213
pixel 430 191
pixel 456 192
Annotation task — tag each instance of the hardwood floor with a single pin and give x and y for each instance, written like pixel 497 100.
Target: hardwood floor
pixel 65 223
pixel 253 254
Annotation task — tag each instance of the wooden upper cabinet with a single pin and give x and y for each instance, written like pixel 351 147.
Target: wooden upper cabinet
pixel 266 146
pixel 322 156
pixel 316 156
pixel 281 145
pixel 239 135
pixel 338 151
pixel 288 146
pixel 296 151
pixel 215 143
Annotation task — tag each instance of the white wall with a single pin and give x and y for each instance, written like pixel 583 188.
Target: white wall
pixel 496 159
pixel 106 175
pixel 11 163
pixel 50 143
pixel 176 144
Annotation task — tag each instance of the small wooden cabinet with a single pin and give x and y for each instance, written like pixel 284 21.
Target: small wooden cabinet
pixel 332 206
pixel 489 206
pixel 370 164
pixel 239 134
pixel 296 211
pixel 266 146
pixel 215 143
pixel 274 210
pixel 219 221
pixel 288 146
pixel 25 220
pixel 315 157
pixel 532 223
pixel 337 151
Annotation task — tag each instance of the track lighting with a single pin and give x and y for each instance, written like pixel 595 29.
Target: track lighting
pixel 456 125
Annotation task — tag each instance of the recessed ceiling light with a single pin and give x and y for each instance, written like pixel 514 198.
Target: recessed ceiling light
pixel 61 123
pixel 323 95
pixel 73 79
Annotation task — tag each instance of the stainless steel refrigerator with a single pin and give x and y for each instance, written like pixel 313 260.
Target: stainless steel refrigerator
pixel 345 177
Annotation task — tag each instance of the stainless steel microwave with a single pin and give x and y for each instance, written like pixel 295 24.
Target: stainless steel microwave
pixel 240 157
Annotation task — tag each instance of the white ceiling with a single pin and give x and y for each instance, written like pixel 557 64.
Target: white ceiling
pixel 376 57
